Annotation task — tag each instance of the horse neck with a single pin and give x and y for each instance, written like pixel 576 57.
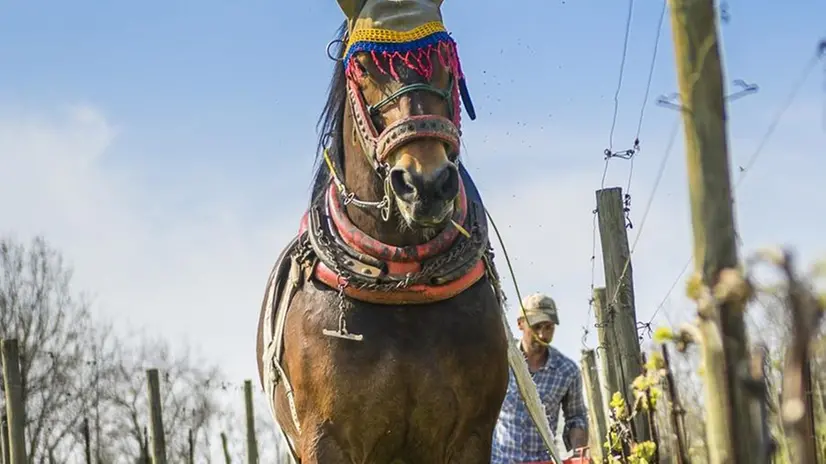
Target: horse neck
pixel 363 181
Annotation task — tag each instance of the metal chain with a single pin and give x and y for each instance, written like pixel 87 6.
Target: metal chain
pixel 350 197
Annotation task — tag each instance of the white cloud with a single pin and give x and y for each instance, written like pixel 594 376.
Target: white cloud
pixel 189 274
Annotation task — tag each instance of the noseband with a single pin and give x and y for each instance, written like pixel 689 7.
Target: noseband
pixel 378 146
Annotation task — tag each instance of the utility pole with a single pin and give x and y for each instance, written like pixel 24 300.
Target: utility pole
pixel 619 286
pixel 729 420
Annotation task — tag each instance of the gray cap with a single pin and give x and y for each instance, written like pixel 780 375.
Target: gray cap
pixel 540 308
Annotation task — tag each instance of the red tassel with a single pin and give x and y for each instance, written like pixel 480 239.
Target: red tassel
pixel 421 62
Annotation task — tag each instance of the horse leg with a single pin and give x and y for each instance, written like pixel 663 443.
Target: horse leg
pixel 318 446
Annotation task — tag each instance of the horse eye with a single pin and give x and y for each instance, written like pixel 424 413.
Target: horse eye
pixel 362 69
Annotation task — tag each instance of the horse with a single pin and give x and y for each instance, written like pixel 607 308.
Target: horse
pixel 380 336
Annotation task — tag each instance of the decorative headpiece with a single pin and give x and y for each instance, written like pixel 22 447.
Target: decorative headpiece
pixel 404 31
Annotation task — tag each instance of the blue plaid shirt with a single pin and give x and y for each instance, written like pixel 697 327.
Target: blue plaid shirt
pixel 559 383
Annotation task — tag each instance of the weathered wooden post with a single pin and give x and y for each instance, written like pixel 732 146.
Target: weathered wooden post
pixel 607 344
pixel 760 408
pixel 15 409
pixel 619 286
pixel 810 426
pixel 796 408
pixel 731 436
pixel 677 412
pixel 252 444
pixel 225 447
pixel 5 458
pixel 145 446
pixel 156 417
pixel 191 447
pixel 87 440
pixel 596 406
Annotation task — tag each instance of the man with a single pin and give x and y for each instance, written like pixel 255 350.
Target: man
pixel 559 384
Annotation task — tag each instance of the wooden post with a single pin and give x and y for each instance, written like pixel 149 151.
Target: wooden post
pixel 596 406
pixel 651 417
pixel 146 446
pixel 819 416
pixel 761 409
pixel 809 424
pixel 156 417
pixel 700 77
pixel 15 409
pixel 677 411
pixel 607 344
pixel 796 405
pixel 191 447
pixel 5 457
pixel 619 286
pixel 252 445
pixel 87 440
pixel 225 447
pixel 144 449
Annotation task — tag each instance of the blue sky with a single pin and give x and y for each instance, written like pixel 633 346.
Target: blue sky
pixel 166 147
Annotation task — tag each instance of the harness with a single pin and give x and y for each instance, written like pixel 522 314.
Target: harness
pixel 375 272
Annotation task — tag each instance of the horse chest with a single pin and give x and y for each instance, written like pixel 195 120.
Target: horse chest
pixel 422 369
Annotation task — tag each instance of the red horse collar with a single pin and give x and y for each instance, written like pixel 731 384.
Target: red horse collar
pixel 371 271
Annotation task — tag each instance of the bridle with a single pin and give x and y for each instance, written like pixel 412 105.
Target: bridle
pixel 377 146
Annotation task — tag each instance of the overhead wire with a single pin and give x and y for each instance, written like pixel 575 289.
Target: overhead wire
pixel 752 159
pixel 609 151
pixel 633 151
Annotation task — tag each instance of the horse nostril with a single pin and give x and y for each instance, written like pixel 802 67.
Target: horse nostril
pixel 402 183
pixel 446 184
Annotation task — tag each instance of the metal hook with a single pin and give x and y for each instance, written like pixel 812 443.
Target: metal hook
pixel 747 89
pixel 330 53
pixel 326 139
pixel 342 331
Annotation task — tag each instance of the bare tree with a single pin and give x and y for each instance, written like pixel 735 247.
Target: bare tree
pixel 76 368
pixel 191 392
pixel 52 324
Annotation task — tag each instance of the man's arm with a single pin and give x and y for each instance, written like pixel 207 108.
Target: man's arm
pixel 575 433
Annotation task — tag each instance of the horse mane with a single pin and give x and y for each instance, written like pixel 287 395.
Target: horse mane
pixel 331 121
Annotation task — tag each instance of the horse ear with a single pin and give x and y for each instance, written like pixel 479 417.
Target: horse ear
pixel 351 8
pixel 438 2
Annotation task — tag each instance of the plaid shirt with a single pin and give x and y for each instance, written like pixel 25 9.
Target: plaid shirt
pixel 559 383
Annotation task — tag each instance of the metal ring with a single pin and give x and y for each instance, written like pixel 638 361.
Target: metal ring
pixel 330 54
pixel 325 139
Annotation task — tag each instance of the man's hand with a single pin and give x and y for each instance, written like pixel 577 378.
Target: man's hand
pixel 578 438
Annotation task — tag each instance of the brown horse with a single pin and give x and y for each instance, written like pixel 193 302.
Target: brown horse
pixel 381 335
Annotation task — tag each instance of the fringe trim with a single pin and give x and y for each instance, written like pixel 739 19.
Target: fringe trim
pixel 416 56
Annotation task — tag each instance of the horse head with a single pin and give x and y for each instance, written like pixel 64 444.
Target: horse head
pixel 403 84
